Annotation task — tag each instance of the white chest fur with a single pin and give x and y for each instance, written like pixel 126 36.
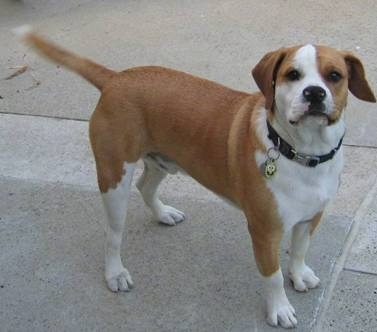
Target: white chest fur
pixel 301 192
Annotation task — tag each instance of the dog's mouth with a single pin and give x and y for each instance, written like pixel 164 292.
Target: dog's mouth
pixel 321 117
pixel 314 110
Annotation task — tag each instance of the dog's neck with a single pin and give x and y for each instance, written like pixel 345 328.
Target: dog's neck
pixel 310 136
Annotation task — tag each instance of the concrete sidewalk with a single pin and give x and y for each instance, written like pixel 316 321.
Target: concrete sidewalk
pixel 200 275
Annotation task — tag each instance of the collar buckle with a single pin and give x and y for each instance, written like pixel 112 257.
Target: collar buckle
pixel 305 160
pixel 289 152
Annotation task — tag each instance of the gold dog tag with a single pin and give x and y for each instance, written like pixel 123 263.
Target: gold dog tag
pixel 269 168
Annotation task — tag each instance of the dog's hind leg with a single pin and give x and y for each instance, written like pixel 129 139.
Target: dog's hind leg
pixel 117 145
pixel 115 201
pixel 152 176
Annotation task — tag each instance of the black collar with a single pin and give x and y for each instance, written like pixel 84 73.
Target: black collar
pixel 303 159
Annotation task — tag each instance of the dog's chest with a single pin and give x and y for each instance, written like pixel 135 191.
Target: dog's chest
pixel 301 192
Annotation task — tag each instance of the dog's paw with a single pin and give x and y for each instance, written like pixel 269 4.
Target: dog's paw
pixel 303 278
pixel 281 313
pixel 121 281
pixel 170 216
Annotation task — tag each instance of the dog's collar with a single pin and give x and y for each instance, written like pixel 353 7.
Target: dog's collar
pixel 288 151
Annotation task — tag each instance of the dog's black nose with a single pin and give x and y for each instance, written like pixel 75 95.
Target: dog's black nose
pixel 314 94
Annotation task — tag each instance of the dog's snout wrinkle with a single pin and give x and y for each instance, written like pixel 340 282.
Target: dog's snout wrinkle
pixel 317 107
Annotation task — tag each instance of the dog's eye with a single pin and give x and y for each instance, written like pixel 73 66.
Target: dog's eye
pixel 293 75
pixel 334 76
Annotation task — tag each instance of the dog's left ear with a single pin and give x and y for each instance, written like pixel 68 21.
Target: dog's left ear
pixel 264 74
pixel 357 83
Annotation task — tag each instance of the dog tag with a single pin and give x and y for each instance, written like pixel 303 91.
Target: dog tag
pixel 269 168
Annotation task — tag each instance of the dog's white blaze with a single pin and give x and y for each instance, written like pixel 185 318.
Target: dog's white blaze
pixel 306 61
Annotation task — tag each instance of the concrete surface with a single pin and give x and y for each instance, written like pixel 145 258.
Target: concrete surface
pixel 200 275
pixel 355 300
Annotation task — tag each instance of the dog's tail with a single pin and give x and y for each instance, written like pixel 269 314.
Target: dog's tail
pixel 94 73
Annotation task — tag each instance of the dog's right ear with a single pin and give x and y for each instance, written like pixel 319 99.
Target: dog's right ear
pixel 265 72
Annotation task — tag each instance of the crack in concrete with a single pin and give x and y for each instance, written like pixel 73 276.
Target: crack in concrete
pixel 338 267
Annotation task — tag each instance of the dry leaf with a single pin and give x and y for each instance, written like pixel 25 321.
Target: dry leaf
pixel 19 71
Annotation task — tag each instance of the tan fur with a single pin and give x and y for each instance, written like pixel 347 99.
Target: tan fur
pixel 265 72
pixel 315 222
pixel 91 71
pixel 206 128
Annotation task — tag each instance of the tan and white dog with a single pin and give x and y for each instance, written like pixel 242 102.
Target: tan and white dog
pixel 276 154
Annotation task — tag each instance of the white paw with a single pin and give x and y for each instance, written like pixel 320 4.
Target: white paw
pixel 303 278
pixel 121 281
pixel 281 313
pixel 279 310
pixel 169 215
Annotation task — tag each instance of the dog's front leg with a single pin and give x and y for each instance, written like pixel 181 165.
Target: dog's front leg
pixel 266 243
pixel 302 276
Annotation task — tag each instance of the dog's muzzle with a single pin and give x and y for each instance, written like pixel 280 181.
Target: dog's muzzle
pixel 315 95
pixel 314 99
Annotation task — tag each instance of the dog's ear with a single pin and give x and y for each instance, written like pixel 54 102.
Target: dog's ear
pixel 357 83
pixel 264 74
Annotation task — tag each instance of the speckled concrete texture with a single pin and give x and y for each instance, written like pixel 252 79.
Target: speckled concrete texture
pixel 363 254
pixel 354 303
pixel 201 274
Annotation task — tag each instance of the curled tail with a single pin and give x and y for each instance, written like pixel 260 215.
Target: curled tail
pixel 94 73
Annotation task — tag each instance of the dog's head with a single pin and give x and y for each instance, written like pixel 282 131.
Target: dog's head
pixel 310 82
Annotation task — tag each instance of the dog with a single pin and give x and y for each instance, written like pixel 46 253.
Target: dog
pixel 276 154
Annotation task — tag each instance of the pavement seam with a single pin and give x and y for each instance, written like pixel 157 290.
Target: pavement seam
pixel 360 271
pixel 360 146
pixel 87 120
pixel 44 116
pixel 338 266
